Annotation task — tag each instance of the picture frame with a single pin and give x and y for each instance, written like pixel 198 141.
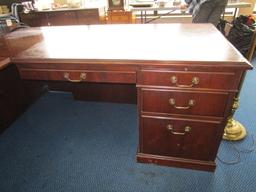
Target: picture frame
pixel 115 5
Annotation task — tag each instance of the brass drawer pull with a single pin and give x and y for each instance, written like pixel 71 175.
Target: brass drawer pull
pixel 191 102
pixel 186 130
pixel 82 77
pixel 195 81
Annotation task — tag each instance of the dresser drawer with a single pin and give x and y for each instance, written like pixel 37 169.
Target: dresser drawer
pixel 79 75
pixel 182 138
pixel 185 79
pixel 119 17
pixel 183 102
pixel 87 13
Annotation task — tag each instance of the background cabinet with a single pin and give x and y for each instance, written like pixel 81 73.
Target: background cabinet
pixel 61 17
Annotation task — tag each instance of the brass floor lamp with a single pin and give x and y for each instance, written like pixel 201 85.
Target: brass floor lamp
pixel 234 130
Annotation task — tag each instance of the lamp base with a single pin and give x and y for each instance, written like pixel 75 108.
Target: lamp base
pixel 234 131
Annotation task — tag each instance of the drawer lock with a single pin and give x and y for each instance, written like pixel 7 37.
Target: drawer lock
pixel 82 77
pixel 170 128
pixel 195 81
pixel 191 102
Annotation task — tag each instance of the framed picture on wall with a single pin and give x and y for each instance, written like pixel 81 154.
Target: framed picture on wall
pixel 115 4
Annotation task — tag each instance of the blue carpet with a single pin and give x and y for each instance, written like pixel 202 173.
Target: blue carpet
pixel 62 145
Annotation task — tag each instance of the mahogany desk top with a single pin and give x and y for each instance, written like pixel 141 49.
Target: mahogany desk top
pixel 126 44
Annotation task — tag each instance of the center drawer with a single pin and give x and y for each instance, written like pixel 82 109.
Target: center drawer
pixel 183 102
pixel 182 138
pixel 79 75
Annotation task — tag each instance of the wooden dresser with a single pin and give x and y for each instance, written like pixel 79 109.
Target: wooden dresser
pixel 187 77
pixel 61 17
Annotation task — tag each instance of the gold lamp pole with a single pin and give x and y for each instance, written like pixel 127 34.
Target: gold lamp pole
pixel 234 130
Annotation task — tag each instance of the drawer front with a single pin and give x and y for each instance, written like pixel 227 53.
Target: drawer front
pixel 120 18
pixel 125 17
pixel 179 138
pixel 88 20
pixel 88 13
pixel 79 75
pixel 184 102
pixel 89 16
pixel 179 79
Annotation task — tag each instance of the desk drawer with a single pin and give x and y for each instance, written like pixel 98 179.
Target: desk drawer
pixel 79 75
pixel 181 79
pixel 179 138
pixel 184 102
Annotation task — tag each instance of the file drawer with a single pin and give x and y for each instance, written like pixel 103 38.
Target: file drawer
pixel 181 138
pixel 183 102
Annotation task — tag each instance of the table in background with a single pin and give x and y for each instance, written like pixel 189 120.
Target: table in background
pixel 170 8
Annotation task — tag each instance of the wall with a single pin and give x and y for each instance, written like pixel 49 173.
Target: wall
pixel 249 10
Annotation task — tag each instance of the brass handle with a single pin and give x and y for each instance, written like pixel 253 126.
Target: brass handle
pixel 191 102
pixel 82 77
pixel 195 81
pixel 186 130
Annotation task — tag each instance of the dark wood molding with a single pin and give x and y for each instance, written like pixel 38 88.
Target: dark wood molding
pixel 176 162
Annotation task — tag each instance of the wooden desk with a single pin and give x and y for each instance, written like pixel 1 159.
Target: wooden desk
pixel 186 75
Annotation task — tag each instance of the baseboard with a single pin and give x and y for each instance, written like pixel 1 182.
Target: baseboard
pixel 176 162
